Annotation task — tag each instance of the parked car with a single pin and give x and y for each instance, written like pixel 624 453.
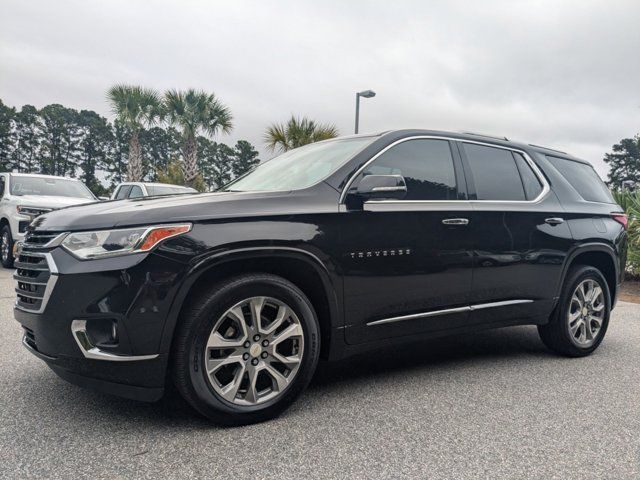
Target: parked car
pixel 140 189
pixel 325 251
pixel 25 196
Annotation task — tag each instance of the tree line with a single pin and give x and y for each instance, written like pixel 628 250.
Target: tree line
pixel 58 140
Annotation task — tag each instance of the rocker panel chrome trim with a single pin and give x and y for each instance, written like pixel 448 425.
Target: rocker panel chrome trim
pixel 447 311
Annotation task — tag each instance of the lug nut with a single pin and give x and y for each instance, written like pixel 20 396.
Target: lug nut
pixel 256 338
pixel 245 356
pixel 264 355
pixel 247 344
pixel 254 362
pixel 265 343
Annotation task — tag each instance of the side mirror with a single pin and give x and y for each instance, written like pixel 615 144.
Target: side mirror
pixel 103 199
pixel 382 186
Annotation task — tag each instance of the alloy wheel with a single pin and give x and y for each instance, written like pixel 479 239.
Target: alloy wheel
pixel 586 313
pixel 254 351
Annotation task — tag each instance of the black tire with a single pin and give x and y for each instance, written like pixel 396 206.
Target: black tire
pixel 556 334
pixel 6 257
pixel 196 323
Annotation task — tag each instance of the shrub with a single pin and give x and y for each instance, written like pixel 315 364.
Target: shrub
pixel 630 202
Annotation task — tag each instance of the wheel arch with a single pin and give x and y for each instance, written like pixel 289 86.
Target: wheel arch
pixel 599 255
pixel 300 267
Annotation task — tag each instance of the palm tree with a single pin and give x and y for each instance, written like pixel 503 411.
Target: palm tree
pixel 297 132
pixel 136 107
pixel 193 112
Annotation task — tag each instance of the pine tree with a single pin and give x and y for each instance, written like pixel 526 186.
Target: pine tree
pixel 28 136
pixel 7 138
pixel 624 162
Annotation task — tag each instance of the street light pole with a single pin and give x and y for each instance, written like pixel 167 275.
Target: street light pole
pixel 365 94
pixel 357 110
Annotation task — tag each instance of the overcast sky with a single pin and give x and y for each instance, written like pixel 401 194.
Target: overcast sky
pixel 564 74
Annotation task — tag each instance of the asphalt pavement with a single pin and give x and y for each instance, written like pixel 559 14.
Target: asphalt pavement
pixel 489 405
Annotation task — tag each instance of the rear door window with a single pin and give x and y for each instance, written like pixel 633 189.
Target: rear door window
pixel 583 178
pixel 494 172
pixel 123 191
pixel 530 182
pixel 136 192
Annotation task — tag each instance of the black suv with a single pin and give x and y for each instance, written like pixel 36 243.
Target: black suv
pixel 322 252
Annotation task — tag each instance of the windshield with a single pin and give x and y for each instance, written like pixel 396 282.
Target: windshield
pixel 168 190
pixel 301 167
pixel 43 186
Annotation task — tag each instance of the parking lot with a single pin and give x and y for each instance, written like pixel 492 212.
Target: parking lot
pixel 490 405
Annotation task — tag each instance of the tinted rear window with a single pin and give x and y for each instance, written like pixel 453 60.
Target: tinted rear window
pixel 584 179
pixel 494 172
pixel 531 183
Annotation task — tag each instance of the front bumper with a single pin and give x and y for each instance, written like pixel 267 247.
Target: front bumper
pixel 127 380
pixel 133 293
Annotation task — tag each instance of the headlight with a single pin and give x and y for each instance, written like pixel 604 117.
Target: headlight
pixel 109 243
pixel 31 211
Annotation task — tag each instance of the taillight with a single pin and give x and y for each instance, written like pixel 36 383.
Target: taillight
pixel 621 218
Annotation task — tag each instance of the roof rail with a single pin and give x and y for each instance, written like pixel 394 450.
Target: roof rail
pixel 547 148
pixel 486 136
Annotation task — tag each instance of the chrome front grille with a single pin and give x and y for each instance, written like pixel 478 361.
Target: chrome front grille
pixel 35 239
pixel 36 273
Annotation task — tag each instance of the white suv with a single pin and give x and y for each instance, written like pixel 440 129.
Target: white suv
pixel 146 189
pixel 25 196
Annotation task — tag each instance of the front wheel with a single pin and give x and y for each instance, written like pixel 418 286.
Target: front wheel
pixel 245 349
pixel 6 247
pixel 578 324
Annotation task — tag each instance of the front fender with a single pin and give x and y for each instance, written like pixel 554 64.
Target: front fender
pixel 215 260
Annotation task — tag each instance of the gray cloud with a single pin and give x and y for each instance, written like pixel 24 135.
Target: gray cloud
pixel 562 74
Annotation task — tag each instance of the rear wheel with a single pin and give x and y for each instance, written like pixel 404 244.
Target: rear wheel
pixel 580 321
pixel 6 247
pixel 246 349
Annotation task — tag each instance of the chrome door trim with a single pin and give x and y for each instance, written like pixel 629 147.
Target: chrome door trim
pixel 541 178
pixel 434 313
pixel 505 303
pixel 447 311
pixel 414 205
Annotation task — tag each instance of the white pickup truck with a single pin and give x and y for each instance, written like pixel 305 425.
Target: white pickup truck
pixel 147 189
pixel 25 196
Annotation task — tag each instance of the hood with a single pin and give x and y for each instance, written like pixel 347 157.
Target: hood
pixel 170 209
pixel 47 201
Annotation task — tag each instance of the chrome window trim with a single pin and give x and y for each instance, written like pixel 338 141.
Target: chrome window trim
pixel 538 173
pixel 448 311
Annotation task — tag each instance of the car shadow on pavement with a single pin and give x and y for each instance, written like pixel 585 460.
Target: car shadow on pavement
pixel 478 347
pixel 172 411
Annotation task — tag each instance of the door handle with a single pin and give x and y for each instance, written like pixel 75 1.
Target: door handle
pixel 554 220
pixel 455 221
